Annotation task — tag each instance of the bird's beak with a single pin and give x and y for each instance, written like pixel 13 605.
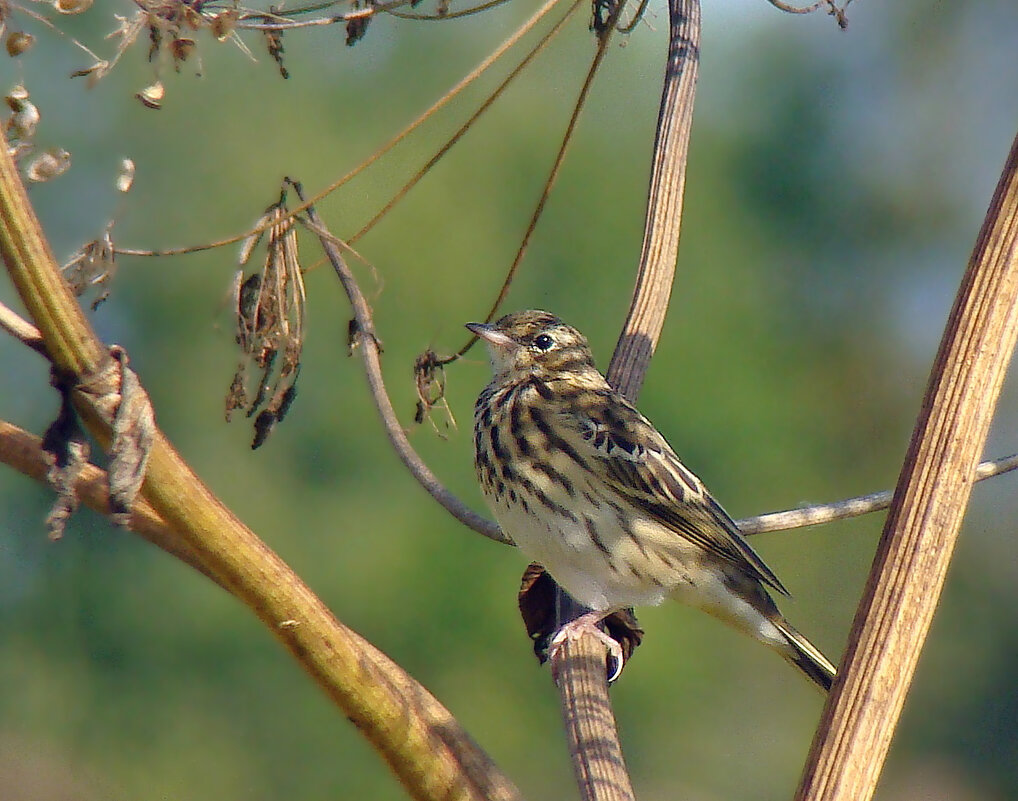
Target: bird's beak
pixel 490 335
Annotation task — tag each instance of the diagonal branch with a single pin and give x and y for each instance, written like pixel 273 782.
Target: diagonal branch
pixel 915 550
pixel 421 741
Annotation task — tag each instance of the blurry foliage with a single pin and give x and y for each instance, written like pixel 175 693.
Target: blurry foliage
pixel 830 208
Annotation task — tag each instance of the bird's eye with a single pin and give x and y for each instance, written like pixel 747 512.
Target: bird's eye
pixel 543 342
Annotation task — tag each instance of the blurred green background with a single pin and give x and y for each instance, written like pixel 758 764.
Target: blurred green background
pixel 837 181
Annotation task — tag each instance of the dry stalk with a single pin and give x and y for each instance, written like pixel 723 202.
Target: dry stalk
pixel 594 745
pixel 911 563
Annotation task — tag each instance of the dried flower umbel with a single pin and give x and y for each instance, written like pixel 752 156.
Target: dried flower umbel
pixel 269 313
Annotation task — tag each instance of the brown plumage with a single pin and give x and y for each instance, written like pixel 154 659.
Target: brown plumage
pixel 585 485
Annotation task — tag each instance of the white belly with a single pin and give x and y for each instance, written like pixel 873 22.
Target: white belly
pixel 593 554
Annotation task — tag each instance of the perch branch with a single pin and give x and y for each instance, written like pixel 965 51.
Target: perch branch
pixel 911 563
pixel 421 741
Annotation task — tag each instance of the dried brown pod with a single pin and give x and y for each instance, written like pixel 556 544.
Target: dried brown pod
pixel 93 265
pixel 25 118
pixel 49 165
pixel 125 177
pixel 72 6
pixel 152 96
pixel 269 311
pixel 18 42
pixel 181 48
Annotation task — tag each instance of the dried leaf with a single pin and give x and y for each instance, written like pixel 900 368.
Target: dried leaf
pixel 93 265
pixel 274 44
pixel 65 442
pixel 133 428
pixel 538 604
pixel 222 25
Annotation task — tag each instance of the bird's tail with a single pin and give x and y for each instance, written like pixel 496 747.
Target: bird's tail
pixel 807 657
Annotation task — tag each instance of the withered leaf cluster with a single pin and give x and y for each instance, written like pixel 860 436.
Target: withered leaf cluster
pixel 269 313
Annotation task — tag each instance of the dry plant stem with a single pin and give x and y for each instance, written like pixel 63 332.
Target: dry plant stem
pixel 549 184
pixel 590 725
pixel 664 203
pixel 911 562
pixel 593 738
pixel 421 741
pixel 851 507
pixel 460 86
pixel 368 344
pixel 534 51
pixel 21 330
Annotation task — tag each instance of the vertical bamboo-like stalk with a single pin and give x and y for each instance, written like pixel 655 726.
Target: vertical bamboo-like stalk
pixel 911 563
pixel 593 739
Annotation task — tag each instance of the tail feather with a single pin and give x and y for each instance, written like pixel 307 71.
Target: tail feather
pixel 807 657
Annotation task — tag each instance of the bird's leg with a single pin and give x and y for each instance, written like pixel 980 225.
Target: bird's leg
pixel 586 624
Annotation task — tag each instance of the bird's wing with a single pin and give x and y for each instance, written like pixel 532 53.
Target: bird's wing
pixel 640 465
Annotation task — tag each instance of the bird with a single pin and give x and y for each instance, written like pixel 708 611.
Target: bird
pixel 585 485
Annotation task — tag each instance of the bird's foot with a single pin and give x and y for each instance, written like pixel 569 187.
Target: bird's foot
pixel 587 624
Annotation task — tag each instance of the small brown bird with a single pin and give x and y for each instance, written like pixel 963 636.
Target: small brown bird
pixel 585 485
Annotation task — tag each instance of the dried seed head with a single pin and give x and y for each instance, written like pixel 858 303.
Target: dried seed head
pixel 72 6
pixel 18 42
pixel 125 178
pixel 49 165
pixel 222 25
pixel 152 96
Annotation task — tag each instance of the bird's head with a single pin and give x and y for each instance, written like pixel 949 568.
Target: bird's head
pixel 533 342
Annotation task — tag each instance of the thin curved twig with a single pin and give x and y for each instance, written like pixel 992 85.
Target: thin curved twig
pixel 539 47
pixel 465 12
pixel 852 507
pixel 456 90
pixel 560 156
pixel 368 344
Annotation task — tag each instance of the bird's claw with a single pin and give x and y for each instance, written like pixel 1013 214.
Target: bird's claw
pixel 587 624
